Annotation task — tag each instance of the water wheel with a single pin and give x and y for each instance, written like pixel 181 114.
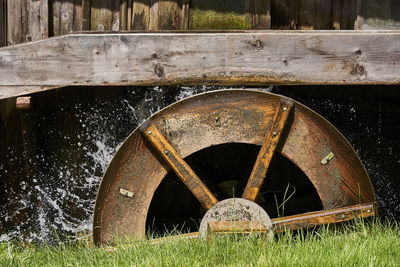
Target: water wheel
pixel 231 143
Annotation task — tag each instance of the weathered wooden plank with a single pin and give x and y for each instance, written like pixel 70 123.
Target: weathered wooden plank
pixel 17 22
pixel 285 14
pixel 105 15
pixel 63 17
pixel 179 166
pixel 169 15
pixel 129 15
pixel 27 20
pixel 140 15
pixel 261 14
pixel 348 15
pixel 86 15
pixel 123 11
pixel 336 14
pixel 185 14
pixel 3 23
pixel 267 150
pixel 278 57
pixel 306 14
pixel 314 14
pixel 116 15
pixel 360 13
pixel 38 19
pixel 316 218
pixel 322 14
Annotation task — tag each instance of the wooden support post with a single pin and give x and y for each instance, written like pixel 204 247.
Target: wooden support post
pixel 105 15
pixel 63 16
pixel 267 150
pixel 123 11
pixel 178 165
pixel 185 15
pixel 141 15
pixel 322 14
pixel 86 15
pixel 165 15
pixel 3 23
pixel 260 14
pixel 336 13
pixel 129 15
pixel 27 21
pixel 360 13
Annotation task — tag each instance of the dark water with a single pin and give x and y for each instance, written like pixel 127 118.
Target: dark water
pixel 49 188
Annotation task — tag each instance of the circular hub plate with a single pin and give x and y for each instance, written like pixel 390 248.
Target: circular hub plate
pixel 235 209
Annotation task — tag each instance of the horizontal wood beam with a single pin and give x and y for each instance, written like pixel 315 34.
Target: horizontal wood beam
pixel 316 218
pixel 188 58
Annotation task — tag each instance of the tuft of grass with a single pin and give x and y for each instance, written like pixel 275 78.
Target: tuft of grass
pixel 365 244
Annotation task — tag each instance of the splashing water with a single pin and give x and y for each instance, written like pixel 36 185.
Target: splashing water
pixel 54 194
pixel 57 199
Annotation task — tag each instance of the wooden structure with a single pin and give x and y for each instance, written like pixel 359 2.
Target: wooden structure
pixel 31 20
pixel 213 58
pixel 247 117
pixel 120 53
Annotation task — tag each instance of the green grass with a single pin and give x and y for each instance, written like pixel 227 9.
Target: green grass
pixel 360 245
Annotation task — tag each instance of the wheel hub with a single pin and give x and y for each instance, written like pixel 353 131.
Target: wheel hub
pixel 236 210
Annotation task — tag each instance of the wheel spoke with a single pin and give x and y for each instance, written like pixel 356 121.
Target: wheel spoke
pixel 267 150
pixel 312 219
pixel 179 166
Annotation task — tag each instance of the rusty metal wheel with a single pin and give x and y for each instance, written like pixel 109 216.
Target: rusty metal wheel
pixel 277 127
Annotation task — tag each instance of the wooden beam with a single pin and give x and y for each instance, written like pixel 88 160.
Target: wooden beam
pixel 316 218
pixel 240 58
pixel 178 165
pixel 267 150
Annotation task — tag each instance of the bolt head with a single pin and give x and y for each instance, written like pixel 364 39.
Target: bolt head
pixel 284 108
pixel 274 134
pixel 368 211
pixel 166 152
pixel 149 132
